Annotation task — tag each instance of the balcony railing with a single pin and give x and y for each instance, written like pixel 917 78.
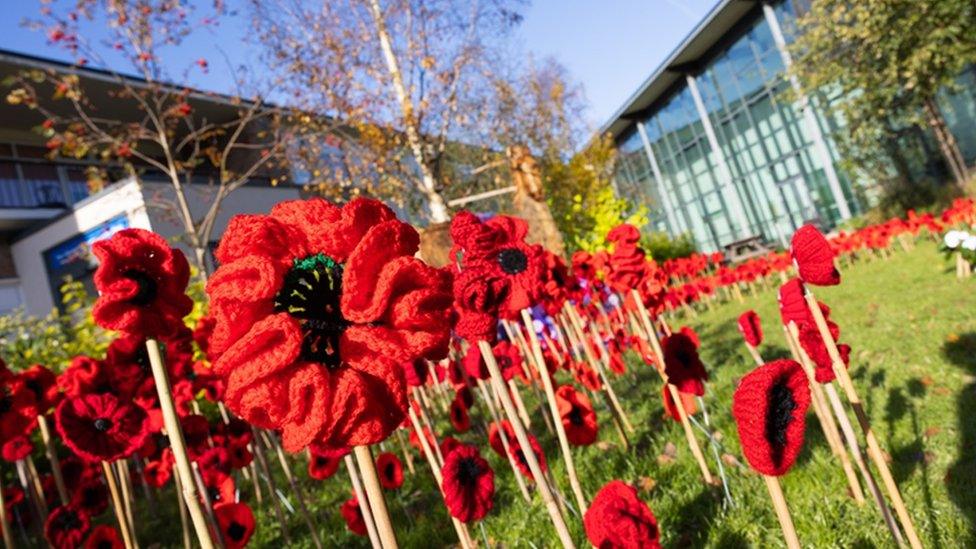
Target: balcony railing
pixel 40 185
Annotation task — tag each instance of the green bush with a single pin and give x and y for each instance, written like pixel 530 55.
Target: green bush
pixel 661 247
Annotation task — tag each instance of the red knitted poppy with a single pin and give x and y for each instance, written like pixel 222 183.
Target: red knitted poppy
pixel 141 283
pixel 792 305
pixel 577 415
pixel 687 401
pixel 236 522
pixel 495 437
pixel 316 308
pixel 751 328
pixel 814 257
pixel 66 527
pixel 682 364
pixel 587 376
pixel 17 449
pixel 770 407
pixel 460 419
pixel 44 384
pixel 692 335
pixel 104 537
pixel 509 360
pixel 353 516
pixel 474 364
pixel 18 409
pixel 618 519
pixel 91 497
pixel 415 372
pixel 98 427
pixel 628 263
pixel 515 449
pixel 469 484
pixel 449 444
pixel 324 462
pixel 390 470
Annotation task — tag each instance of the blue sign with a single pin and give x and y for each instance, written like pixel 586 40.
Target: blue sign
pixel 78 248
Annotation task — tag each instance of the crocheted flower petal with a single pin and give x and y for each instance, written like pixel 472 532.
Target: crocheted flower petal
pixel 248 278
pixel 263 236
pixel 315 218
pixel 310 399
pixel 272 344
pixel 369 278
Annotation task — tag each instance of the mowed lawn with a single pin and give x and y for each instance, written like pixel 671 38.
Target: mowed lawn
pixel 912 327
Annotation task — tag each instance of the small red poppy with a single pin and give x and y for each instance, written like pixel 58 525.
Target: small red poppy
pixel 104 537
pixel 770 407
pixel 683 366
pixel 687 400
pixel 390 470
pixel 158 472
pixel 751 328
pixel 814 258
pixel 324 462
pixel 692 335
pixel 495 436
pixel 236 523
pixel 214 459
pixel 220 486
pixel 469 484
pixel 416 372
pixel 353 515
pixel 66 527
pixel 792 304
pixel 460 419
pixel 509 360
pixel 18 409
pixel 448 445
pixel 587 376
pixel 44 384
pixel 618 519
pixel 91 497
pixel 474 364
pixel 17 449
pixel 98 427
pixel 628 263
pixel 520 461
pixel 316 307
pixel 578 417
pixel 141 283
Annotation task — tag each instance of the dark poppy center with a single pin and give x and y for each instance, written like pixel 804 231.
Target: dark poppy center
pixel 779 415
pixel 67 520
pixel 512 260
pixel 148 287
pixel 389 471
pixel 311 292
pixel 105 544
pixel 469 471
pixel 214 494
pixel 6 403
pixel 576 416
pixel 103 424
pixel 236 531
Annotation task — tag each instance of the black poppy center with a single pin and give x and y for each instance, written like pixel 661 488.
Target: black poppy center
pixel 512 260
pixel 389 471
pixel 105 544
pixel 148 287
pixel 214 494
pixel 779 415
pixel 92 496
pixel 103 424
pixel 576 416
pixel 236 531
pixel 6 403
pixel 68 520
pixel 469 471
pixel 310 293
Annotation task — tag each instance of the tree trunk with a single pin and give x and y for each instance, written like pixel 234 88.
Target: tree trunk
pixel 947 143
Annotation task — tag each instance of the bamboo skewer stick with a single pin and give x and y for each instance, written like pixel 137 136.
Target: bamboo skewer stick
pixel 113 489
pixel 824 414
pixel 265 471
pixel 462 532
pixel 207 504
pixel 515 335
pixel 297 490
pixel 182 508
pixel 177 444
pixel 523 440
pixel 557 419
pixel 8 539
pixel 125 483
pixel 672 390
pixel 52 457
pixel 782 512
pixel 374 493
pixel 407 454
pixel 425 416
pixel 357 488
pixel 504 438
pixel 874 448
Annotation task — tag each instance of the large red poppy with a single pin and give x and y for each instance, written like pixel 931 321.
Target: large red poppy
pixel 390 470
pixel 469 484
pixel 770 407
pixel 751 328
pixel 104 537
pixel 141 283
pixel 66 527
pixel 236 522
pixel 353 516
pixel 814 258
pixel 683 366
pixel 324 462
pixel 618 519
pixel 577 415
pixel 316 308
pixel 98 427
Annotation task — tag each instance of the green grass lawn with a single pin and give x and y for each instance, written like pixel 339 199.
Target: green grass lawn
pixel 913 330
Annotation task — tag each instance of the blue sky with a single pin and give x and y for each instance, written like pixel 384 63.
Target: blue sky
pixel 610 46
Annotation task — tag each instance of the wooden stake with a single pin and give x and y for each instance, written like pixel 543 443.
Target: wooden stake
pixel 425 416
pixel 824 415
pixel 407 454
pixel 177 444
pixel 262 462
pixel 52 457
pixel 754 353
pixel 364 509
pixel 207 504
pixel 874 448
pixel 125 483
pixel 8 539
pixel 113 489
pixel 540 365
pixel 782 512
pixel 374 493
pixel 511 460
pixel 496 379
pixel 296 489
pixel 182 507
pixel 673 391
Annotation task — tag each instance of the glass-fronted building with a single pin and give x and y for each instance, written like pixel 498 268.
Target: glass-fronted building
pixel 715 147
